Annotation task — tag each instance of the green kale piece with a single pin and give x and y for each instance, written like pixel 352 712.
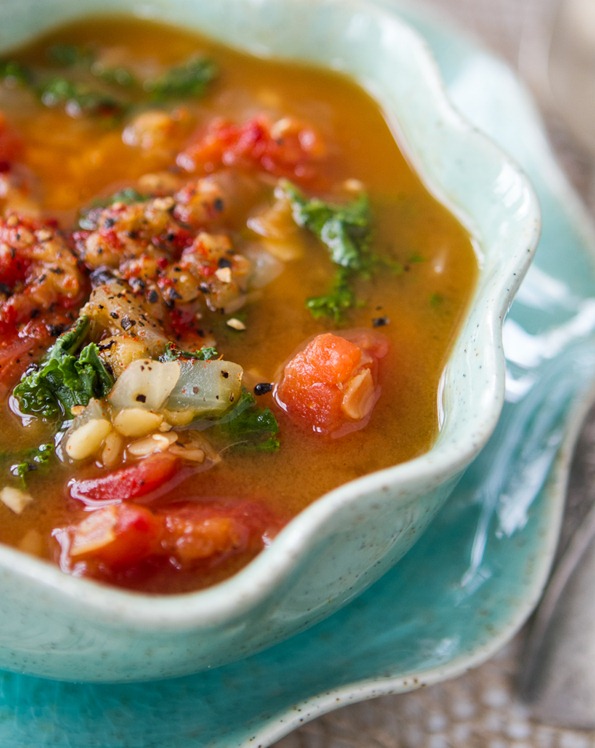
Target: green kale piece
pixel 89 217
pixel 190 79
pixel 59 90
pixel 172 353
pixel 16 72
pixel 64 379
pixel 345 232
pixel 115 76
pixel 78 81
pixel 340 299
pixel 85 58
pixel 127 195
pixel 79 98
pixel 343 229
pixel 250 426
pixel 30 460
pixel 69 55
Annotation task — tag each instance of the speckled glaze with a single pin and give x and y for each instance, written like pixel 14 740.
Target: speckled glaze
pixel 73 629
pixel 474 576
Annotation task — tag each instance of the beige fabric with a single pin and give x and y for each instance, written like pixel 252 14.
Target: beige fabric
pixel 480 709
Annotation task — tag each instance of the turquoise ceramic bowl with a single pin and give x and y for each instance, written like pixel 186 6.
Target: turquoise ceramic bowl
pixel 67 628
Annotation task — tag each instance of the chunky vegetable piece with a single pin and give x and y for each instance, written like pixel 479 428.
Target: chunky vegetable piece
pixel 331 386
pixel 40 284
pixel 116 536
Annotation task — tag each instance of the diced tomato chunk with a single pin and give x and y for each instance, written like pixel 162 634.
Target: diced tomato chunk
pixel 196 531
pixel 118 541
pixel 331 385
pixel 118 535
pixel 20 349
pixel 132 482
pixel 286 148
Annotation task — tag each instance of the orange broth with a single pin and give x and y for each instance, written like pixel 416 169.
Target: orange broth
pixel 417 300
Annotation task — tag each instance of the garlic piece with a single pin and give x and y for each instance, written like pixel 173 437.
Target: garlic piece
pixel 236 324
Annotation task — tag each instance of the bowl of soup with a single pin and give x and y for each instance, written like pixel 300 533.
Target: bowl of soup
pixel 253 272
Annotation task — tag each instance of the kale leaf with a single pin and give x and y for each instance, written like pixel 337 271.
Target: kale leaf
pixel 345 232
pixel 74 55
pixel 89 217
pixel 340 299
pixel 69 55
pixel 22 463
pixel 250 426
pixel 77 80
pixel 189 79
pixel 343 229
pixel 172 353
pixel 78 98
pixel 15 72
pixel 64 379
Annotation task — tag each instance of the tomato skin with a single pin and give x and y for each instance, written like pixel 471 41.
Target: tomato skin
pixel 131 482
pixel 197 531
pixel 331 385
pixel 116 536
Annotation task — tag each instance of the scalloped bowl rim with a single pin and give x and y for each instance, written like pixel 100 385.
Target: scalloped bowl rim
pixel 231 598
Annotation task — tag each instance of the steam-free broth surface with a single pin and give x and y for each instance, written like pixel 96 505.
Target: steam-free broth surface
pixel 264 135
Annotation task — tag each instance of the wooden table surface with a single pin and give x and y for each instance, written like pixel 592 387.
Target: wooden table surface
pixel 481 709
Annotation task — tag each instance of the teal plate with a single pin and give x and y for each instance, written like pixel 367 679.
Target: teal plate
pixel 474 577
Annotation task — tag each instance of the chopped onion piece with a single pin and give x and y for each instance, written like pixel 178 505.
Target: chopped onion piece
pixel 15 499
pixel 145 384
pixel 206 388
pixel 265 267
